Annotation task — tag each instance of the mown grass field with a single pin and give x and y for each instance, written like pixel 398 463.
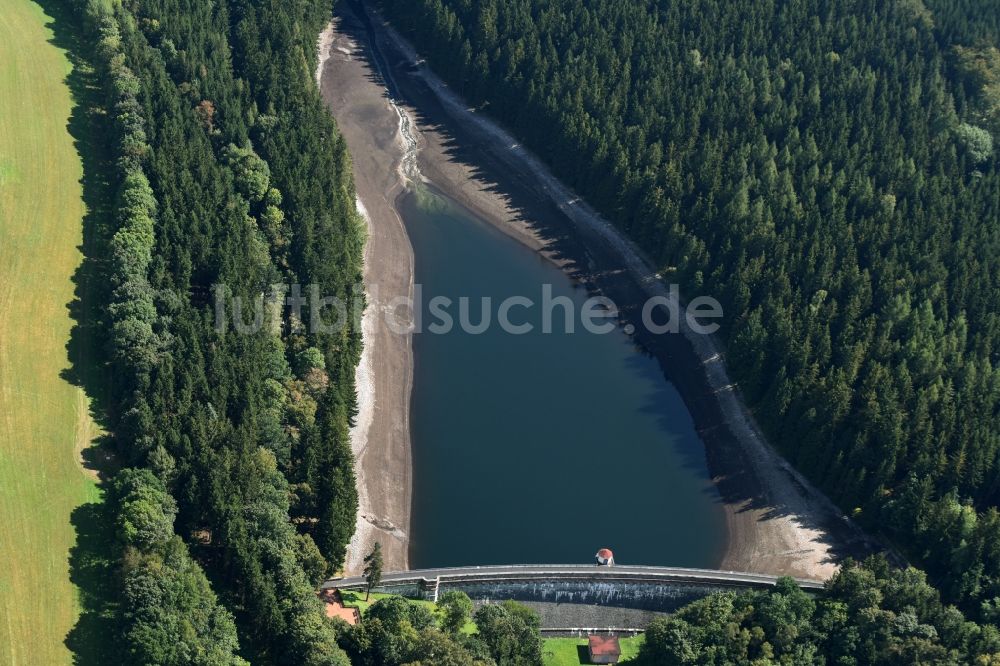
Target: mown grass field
pixel 44 420
pixel 572 651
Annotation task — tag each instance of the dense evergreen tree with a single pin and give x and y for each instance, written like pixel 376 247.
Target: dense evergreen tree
pixel 169 614
pixel 869 614
pixel 232 177
pixel 510 630
pixel 826 169
pixel 373 569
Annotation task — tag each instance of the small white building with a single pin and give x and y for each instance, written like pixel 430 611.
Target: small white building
pixel 605 558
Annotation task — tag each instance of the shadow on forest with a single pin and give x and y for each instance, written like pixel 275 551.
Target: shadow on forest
pixel 92 560
pixel 588 260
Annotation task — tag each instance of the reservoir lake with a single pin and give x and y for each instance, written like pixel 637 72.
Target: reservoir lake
pixel 541 447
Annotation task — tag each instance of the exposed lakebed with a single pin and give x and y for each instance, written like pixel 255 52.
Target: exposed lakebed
pixel 534 448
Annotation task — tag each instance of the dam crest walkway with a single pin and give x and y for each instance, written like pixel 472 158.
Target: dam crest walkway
pixel 575 600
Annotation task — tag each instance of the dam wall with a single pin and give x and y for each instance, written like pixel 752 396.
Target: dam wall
pixel 649 589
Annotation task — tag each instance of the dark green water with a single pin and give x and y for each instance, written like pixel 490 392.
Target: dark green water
pixel 541 448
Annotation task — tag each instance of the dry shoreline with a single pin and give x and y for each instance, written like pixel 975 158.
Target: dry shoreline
pixel 380 438
pixel 777 523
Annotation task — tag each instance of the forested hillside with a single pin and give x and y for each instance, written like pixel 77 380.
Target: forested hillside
pixel 965 22
pixel 231 177
pixel 869 614
pixel 826 169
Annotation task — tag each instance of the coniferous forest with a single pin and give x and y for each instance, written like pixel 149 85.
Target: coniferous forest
pixel 231 177
pixel 827 170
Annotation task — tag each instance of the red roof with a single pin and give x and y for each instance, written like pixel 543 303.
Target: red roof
pixel 335 607
pixel 605 553
pixel 604 646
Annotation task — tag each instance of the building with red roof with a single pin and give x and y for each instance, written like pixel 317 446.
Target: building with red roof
pixel 604 649
pixel 335 607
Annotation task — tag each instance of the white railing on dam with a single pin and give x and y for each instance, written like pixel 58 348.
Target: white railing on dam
pixel 596 573
pixel 646 587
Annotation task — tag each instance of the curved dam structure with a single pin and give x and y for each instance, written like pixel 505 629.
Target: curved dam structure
pixel 644 589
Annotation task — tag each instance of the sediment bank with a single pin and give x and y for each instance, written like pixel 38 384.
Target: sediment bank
pixel 777 522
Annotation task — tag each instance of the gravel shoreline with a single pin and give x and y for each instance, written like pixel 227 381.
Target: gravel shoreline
pixel 777 522
pixel 380 437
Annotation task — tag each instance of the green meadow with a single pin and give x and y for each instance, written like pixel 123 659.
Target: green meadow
pixel 44 419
